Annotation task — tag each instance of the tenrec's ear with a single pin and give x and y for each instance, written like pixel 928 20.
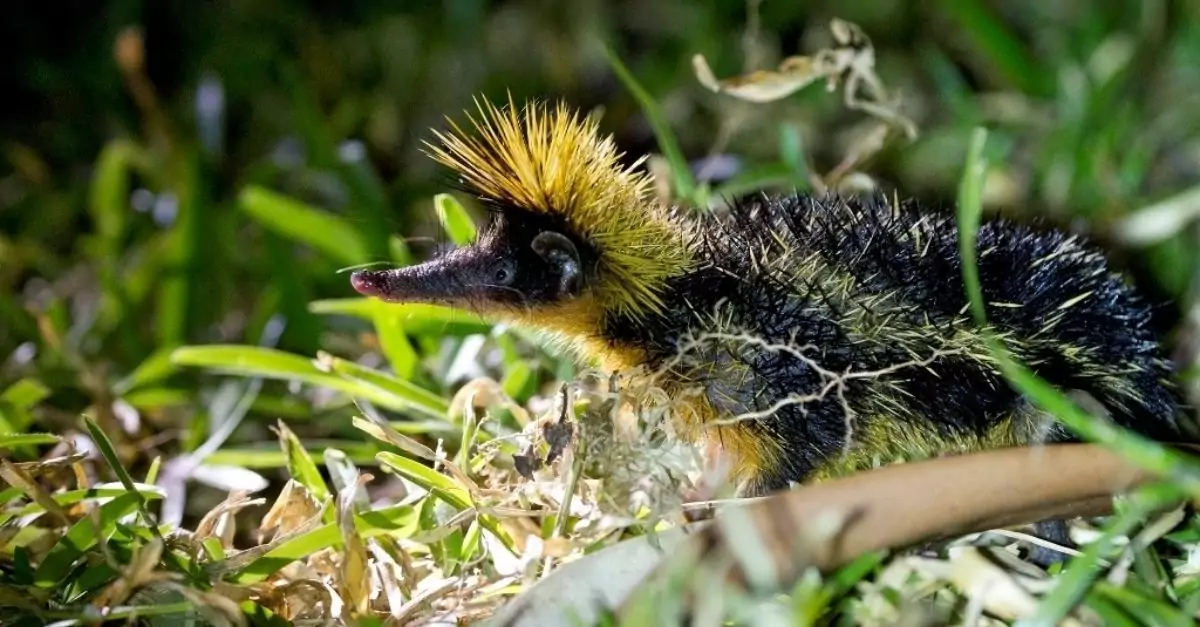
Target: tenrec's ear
pixel 561 253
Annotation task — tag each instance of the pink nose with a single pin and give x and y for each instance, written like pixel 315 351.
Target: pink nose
pixel 366 283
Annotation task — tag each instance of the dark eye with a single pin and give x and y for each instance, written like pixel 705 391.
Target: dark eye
pixel 504 275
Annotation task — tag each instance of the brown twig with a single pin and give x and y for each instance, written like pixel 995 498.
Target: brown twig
pixel 828 524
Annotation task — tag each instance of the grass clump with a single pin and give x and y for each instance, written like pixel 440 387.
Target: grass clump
pixel 445 537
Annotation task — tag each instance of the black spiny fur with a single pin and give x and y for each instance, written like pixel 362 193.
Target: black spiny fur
pixel 868 286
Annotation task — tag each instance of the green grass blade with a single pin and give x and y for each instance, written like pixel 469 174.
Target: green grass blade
pixel 471 544
pixel 247 360
pixel 128 613
pixel 108 207
pixel 16 408
pixel 399 251
pixel 1000 48
pixel 454 219
pixel 1109 612
pixel 152 472
pixel 681 173
pixel 82 536
pixel 970 212
pixel 518 380
pixel 73 497
pixel 177 301
pixel 108 195
pixel 791 151
pixel 153 369
pixel 1166 462
pixel 254 458
pixel 155 398
pixel 1154 611
pixel 110 455
pixel 384 434
pixel 89 581
pixel 27 439
pixel 444 488
pixel 774 175
pixel 393 341
pixel 1081 572
pixel 9 495
pixel 25 393
pixel 271 363
pixel 300 465
pixel 418 318
pixel 325 232
pixel 1140 450
pixel 418 398
pixel 428 478
pixel 358 307
pixel 848 576
pixel 399 521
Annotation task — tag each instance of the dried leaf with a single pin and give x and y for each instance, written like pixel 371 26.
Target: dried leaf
pixel 483 392
pixel 216 608
pixel 384 433
pixel 355 570
pixel 294 508
pixel 990 587
pixel 580 588
pixel 527 462
pixel 390 577
pixel 141 568
pixel 436 588
pixel 761 86
pixel 850 63
pixel 219 521
pixel 558 435
pixel 18 478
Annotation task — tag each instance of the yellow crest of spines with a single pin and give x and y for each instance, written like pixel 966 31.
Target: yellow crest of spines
pixel 553 161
